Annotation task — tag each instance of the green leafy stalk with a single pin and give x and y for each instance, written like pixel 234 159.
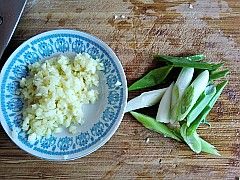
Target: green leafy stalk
pixel 201 103
pixel 193 141
pixel 195 124
pixel 176 62
pixel 208 148
pixel 192 94
pixel 218 74
pixel 185 103
pixel 219 89
pixel 152 124
pixel 197 57
pixel 154 77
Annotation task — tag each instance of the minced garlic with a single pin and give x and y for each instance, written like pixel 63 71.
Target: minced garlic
pixel 54 92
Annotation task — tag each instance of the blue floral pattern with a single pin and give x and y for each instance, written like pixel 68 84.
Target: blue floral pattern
pixel 15 104
pixel 20 71
pixel 107 66
pixel 83 139
pixel 61 45
pixel 18 120
pixel 13 86
pixel 111 80
pixel 31 57
pixel 97 129
pixel 78 46
pixel 93 51
pixel 113 97
pixel 47 142
pixel 44 47
pixel 65 143
pixel 108 114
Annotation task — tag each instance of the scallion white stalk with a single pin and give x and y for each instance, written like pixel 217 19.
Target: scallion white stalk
pixel 146 99
pixel 163 114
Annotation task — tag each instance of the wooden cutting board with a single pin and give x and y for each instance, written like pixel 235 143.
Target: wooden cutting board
pixel 136 29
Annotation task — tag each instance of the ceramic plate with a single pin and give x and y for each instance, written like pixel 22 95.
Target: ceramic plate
pixel 101 119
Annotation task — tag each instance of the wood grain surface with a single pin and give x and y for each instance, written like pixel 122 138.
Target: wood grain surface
pixel 136 29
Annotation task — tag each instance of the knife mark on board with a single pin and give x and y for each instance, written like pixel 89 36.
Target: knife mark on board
pixel 49 16
pixel 62 22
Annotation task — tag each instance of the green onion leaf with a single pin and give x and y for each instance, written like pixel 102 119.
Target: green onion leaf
pixel 208 148
pixel 219 88
pixel 152 124
pixel 192 141
pixel 195 124
pixel 201 103
pixel 218 74
pixel 154 77
pixel 176 62
pixel 197 57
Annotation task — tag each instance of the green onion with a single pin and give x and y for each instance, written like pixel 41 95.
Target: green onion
pixel 187 63
pixel 192 94
pixel 154 77
pixel 152 124
pixel 208 148
pixel 192 141
pixel 219 88
pixel 195 124
pixel 185 102
pixel 197 57
pixel 201 103
pixel 183 81
pixel 163 113
pixel 218 74
pixel 146 99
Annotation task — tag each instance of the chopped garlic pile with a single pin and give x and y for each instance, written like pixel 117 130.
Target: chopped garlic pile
pixel 54 92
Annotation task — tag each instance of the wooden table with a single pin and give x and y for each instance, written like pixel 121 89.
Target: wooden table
pixel 135 30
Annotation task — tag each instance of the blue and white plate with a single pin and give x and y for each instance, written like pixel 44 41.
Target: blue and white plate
pixel 101 119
